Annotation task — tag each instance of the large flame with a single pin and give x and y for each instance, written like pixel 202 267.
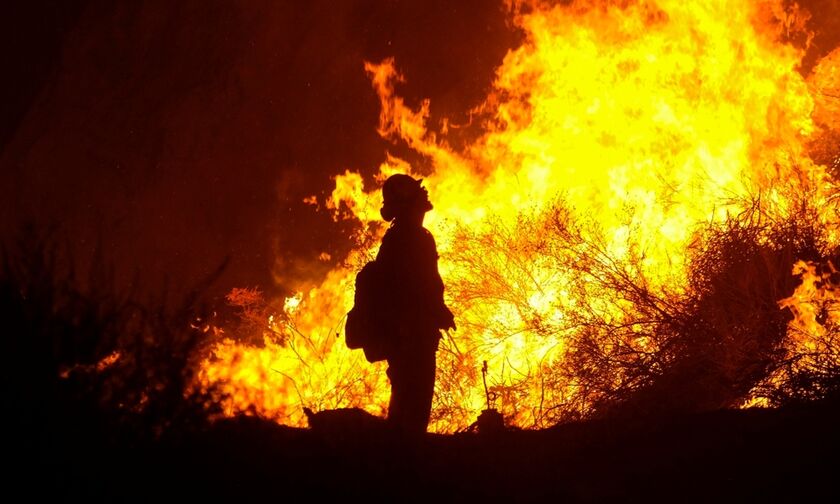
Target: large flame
pixel 649 119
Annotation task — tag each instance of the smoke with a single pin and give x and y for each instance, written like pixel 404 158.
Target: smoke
pixel 167 137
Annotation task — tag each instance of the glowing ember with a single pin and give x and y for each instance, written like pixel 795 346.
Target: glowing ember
pixel 100 366
pixel 643 122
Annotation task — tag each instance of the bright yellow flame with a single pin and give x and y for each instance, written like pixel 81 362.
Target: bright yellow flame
pixel 650 118
pixel 291 304
pixel 817 297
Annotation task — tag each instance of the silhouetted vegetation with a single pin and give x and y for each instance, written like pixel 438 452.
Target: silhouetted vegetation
pixel 92 377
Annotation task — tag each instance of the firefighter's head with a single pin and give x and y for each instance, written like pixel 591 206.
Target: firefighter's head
pixel 403 196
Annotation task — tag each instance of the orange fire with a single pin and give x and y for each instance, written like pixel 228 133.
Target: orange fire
pixel 644 120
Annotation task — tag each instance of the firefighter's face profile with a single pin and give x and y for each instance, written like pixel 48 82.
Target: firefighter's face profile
pixel 423 197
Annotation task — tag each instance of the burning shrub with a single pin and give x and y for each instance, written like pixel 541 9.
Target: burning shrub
pixel 725 333
pixel 626 342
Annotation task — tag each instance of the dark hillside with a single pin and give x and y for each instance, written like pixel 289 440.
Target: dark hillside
pixel 730 456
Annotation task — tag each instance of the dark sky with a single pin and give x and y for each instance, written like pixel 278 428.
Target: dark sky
pixel 176 134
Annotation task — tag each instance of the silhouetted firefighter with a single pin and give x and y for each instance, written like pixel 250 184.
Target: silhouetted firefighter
pixel 399 308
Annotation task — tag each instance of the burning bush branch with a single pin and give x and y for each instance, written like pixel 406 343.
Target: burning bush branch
pixel 624 340
pixel 810 368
